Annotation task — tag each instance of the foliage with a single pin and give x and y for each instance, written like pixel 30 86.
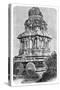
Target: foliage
pixel 52 68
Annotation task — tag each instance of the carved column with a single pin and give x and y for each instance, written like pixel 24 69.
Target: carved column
pixel 41 42
pixel 20 43
pixel 35 41
pixel 25 43
pixel 21 51
pixel 38 42
pixel 48 45
pixel 41 45
pixel 30 44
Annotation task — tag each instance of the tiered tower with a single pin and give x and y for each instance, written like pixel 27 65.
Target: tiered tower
pixel 35 39
pixel 34 43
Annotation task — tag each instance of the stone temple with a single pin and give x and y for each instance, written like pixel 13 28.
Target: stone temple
pixel 34 46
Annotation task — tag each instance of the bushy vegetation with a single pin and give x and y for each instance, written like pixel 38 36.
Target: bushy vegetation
pixel 52 68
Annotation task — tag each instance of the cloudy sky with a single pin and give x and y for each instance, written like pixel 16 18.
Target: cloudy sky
pixel 20 14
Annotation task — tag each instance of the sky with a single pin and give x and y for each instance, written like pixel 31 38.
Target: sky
pixel 20 14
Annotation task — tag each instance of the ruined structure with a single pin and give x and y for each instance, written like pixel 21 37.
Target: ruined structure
pixel 34 45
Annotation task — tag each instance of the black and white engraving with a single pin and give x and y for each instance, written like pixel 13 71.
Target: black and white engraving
pixel 36 57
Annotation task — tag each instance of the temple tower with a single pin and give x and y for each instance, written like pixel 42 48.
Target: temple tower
pixel 35 39
pixel 34 44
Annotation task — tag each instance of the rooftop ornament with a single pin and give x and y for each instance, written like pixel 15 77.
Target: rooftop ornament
pixel 35 19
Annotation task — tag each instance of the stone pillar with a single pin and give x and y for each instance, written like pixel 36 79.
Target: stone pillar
pixel 46 43
pixel 30 44
pixel 20 43
pixel 41 42
pixel 25 43
pixel 41 45
pixel 21 50
pixel 48 48
pixel 38 42
pixel 35 41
